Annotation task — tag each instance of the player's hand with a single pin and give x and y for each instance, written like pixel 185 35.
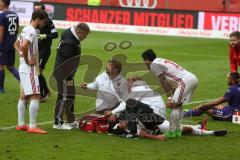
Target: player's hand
pixel 161 137
pixel 108 113
pixel 32 62
pixel 84 85
pixel 112 118
pixel 169 102
pixel 42 36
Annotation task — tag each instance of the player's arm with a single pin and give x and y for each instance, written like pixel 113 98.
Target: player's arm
pixel 215 102
pixel 53 32
pixel 167 87
pixel 24 49
pixel 144 134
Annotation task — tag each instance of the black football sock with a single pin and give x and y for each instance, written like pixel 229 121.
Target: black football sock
pixel 40 77
pixel 44 83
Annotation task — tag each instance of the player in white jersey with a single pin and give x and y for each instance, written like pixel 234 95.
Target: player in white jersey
pixel 27 46
pixel 178 83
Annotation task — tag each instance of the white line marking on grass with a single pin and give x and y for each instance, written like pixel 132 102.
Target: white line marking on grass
pixel 196 102
pixel 49 122
pixel 12 127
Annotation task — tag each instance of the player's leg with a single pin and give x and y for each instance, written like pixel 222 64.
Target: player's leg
pixel 60 106
pixel 43 58
pixel 221 113
pixel 175 115
pixel 10 64
pixel 69 110
pixel 31 89
pixel 200 132
pixel 21 107
pixel 188 86
pixel 2 78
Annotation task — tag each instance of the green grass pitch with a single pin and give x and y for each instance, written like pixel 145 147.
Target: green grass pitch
pixel 207 58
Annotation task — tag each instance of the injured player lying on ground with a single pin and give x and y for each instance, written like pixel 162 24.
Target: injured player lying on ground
pixel 145 112
pixel 159 132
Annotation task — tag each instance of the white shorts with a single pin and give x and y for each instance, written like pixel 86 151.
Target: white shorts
pixel 164 127
pixel 29 84
pixel 185 90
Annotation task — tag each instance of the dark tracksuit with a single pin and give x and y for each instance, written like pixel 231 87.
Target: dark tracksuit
pixel 67 61
pixel 45 44
pixel 45 51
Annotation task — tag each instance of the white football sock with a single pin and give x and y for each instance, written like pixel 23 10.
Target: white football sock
pixel 21 112
pixel 173 116
pixel 33 110
pixel 179 119
pixel 200 132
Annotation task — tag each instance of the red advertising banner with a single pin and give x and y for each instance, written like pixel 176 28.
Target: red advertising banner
pixel 196 5
pixel 219 21
pixel 136 17
pixel 128 17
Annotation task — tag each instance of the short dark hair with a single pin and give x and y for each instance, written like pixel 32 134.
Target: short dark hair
pixel 235 76
pixel 116 64
pixel 149 55
pixel 83 27
pixel 6 2
pixel 41 14
pixel 235 34
pixel 40 4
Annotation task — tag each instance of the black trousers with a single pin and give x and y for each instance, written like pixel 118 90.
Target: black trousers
pixel 138 111
pixel 65 102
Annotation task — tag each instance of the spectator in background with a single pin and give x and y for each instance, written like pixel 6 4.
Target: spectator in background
pixel 234 51
pixel 45 37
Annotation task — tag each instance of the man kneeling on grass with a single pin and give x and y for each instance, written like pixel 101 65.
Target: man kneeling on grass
pixel 216 109
pixel 111 87
pixel 145 115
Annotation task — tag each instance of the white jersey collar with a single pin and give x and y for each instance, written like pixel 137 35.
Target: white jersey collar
pixel 74 32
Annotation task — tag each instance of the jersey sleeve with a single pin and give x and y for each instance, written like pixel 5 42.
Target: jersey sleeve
pixel 121 107
pixel 124 90
pixel 53 32
pixel 228 94
pixel 52 27
pixel 156 69
pixel 93 85
pixel 29 35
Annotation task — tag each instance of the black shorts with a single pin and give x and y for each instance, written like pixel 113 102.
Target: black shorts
pixel 7 57
pixel 44 54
